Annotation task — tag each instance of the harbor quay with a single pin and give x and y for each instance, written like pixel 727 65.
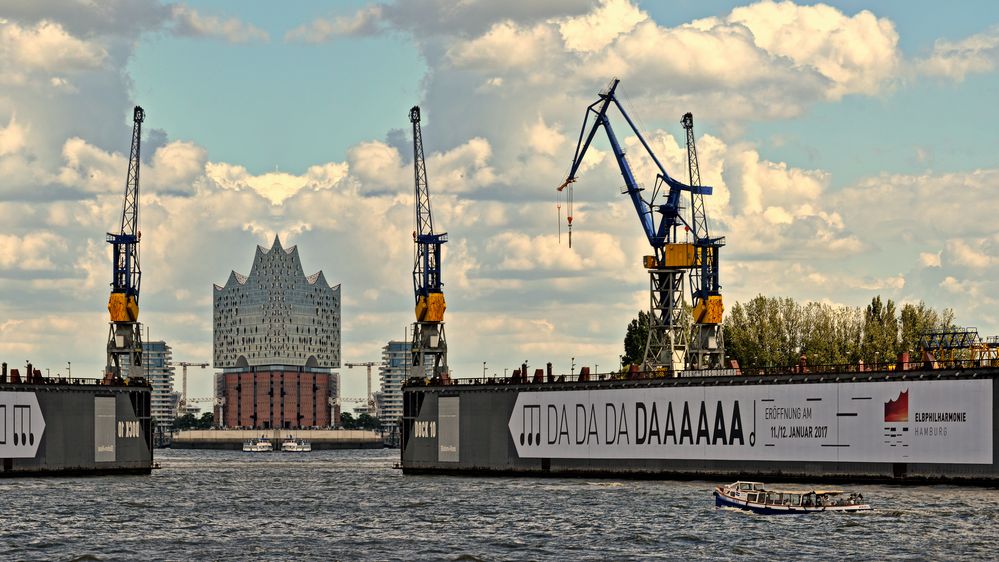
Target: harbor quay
pixel 233 439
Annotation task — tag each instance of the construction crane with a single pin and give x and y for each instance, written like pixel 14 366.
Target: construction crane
pixel 124 359
pixel 203 400
pixel 707 346
pixel 369 365
pixel 666 347
pixel 338 401
pixel 429 346
pixel 183 393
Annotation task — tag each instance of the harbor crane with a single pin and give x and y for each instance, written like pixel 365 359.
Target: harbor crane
pixel 369 365
pixel 429 345
pixel 124 350
pixel 707 346
pixel 183 392
pixel 666 347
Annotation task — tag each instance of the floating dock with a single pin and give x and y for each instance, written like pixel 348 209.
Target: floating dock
pixel 77 426
pixel 904 423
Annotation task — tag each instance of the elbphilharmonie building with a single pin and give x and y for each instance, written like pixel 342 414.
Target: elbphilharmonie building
pixel 277 341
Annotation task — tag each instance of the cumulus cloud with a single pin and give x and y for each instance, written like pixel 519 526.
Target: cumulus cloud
pixel 276 187
pixel 779 57
pixel 857 54
pixel 366 21
pixel 929 259
pixel 12 137
pixel 187 21
pixel 107 17
pixel 971 253
pixel 32 251
pixel 976 54
pixel 436 17
pixel 48 47
pixel 464 168
pixel 505 46
pixel 597 29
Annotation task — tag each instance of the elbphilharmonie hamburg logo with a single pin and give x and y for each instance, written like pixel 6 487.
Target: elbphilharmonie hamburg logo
pixel 897 414
pixel 897 409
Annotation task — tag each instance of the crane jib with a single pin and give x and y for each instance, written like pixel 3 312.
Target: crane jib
pixel 670 210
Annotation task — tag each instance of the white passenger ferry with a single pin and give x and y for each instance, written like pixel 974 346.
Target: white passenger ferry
pixel 292 445
pixel 755 497
pixel 261 445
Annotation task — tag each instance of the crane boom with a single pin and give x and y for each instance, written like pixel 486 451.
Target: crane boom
pixel 125 337
pixel 429 346
pixel 670 217
pixel 666 347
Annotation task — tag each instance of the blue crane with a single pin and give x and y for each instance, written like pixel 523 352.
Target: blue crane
pixel 670 218
pixel 124 340
pixel 666 347
pixel 429 347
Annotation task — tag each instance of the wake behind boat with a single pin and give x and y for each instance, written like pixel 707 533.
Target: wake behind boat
pixel 755 497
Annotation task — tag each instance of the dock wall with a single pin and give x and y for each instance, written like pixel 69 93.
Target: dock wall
pixel 233 439
pixel 74 429
pixel 898 427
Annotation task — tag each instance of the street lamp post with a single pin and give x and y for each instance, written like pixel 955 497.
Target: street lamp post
pixel 483 369
pixel 572 367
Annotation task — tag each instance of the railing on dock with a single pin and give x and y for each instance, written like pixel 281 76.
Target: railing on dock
pixel 880 370
pixel 34 376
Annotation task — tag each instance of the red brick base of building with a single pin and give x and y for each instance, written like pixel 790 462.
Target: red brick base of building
pixel 272 399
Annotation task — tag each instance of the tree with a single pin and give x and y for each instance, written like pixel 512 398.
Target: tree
pixel 635 339
pixel 190 421
pixel 880 343
pixel 369 422
pixel 362 421
pixel 187 421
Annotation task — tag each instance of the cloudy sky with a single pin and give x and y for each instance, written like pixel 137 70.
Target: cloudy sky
pixel 853 148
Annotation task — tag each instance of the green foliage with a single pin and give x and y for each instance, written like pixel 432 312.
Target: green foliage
pixel 917 319
pixel 189 421
pixel 363 421
pixel 774 331
pixel 635 339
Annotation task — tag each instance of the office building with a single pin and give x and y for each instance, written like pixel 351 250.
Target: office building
pixel 157 362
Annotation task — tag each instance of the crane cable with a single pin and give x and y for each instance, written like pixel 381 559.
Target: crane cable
pixel 568 206
pixel 558 221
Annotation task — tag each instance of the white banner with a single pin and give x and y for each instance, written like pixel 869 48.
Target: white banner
pixel 21 425
pixel 906 421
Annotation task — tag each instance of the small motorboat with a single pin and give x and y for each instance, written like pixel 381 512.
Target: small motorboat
pixel 261 445
pixel 291 445
pixel 755 497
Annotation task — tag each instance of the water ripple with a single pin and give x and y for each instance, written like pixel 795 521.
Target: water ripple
pixel 352 505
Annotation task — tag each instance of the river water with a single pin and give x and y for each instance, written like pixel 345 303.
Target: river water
pixel 352 505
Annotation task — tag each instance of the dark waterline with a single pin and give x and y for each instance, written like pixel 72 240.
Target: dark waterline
pixel 350 505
